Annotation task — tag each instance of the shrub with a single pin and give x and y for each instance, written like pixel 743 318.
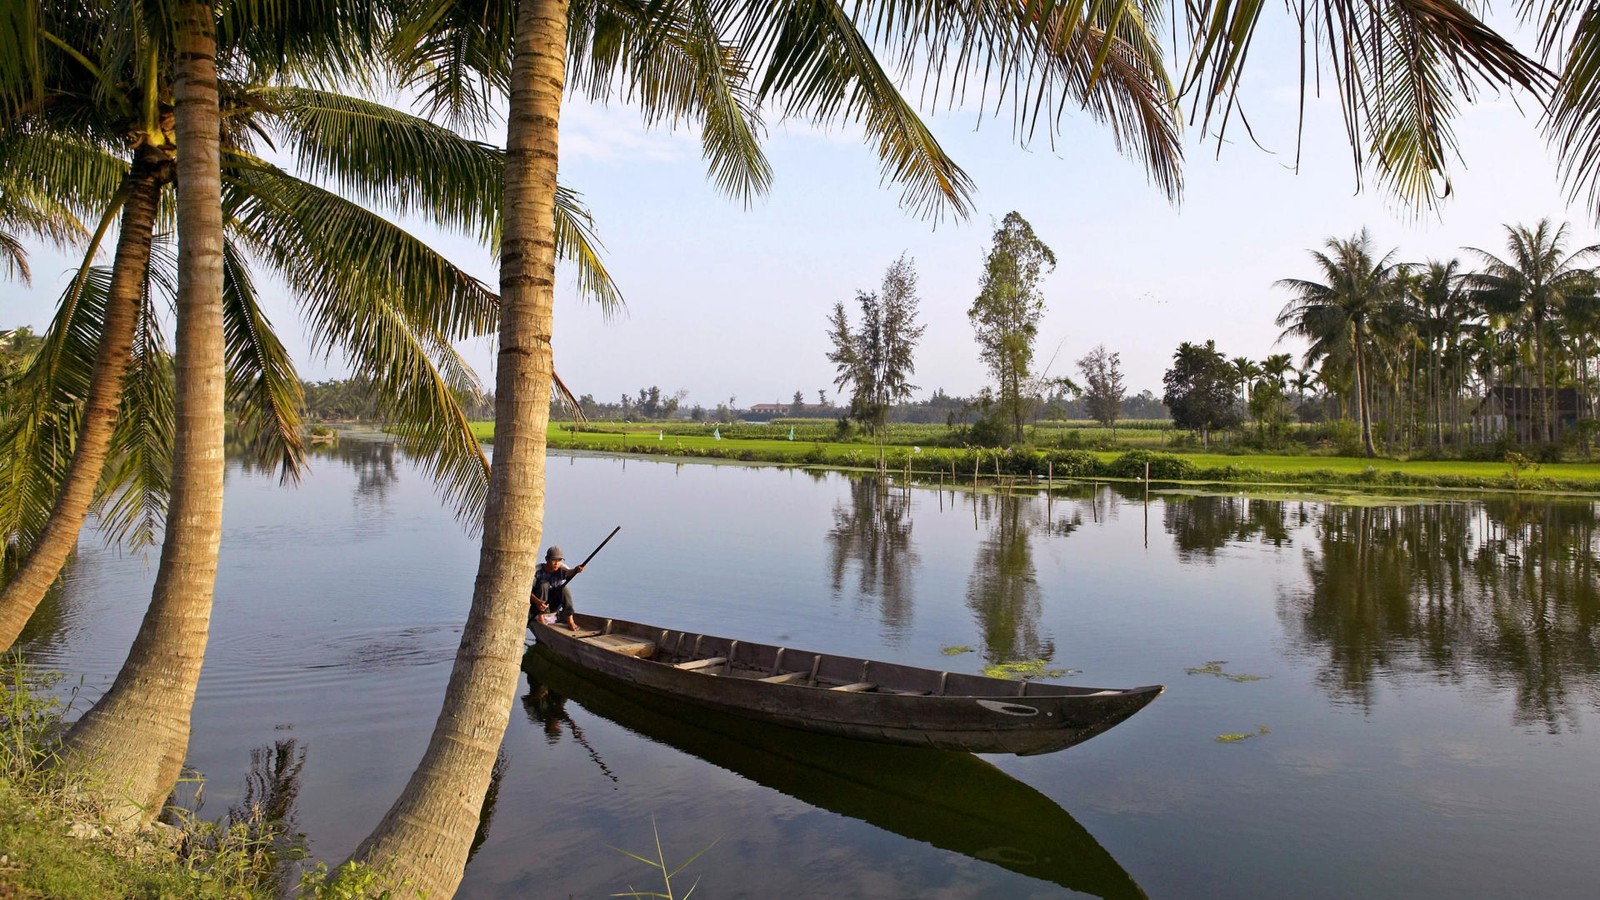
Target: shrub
pixel 1074 463
pixel 1163 466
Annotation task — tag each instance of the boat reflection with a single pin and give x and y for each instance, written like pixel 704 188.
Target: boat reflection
pixel 954 801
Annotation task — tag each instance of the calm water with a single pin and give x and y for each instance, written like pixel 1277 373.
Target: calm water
pixel 1427 678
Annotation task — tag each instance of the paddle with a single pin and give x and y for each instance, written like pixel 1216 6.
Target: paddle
pixel 598 549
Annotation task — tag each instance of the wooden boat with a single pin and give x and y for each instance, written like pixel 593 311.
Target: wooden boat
pixel 954 801
pixel 842 695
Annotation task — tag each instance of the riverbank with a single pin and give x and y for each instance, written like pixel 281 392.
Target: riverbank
pixel 982 465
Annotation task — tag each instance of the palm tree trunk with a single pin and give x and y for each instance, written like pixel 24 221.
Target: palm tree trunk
pixel 424 838
pixel 1362 410
pixel 132 743
pixel 141 195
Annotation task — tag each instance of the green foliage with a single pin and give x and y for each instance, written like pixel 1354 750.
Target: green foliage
pixel 1235 738
pixel 1163 466
pixel 1214 667
pixel 1005 315
pixel 1074 464
pixel 660 865
pixel 350 881
pixel 955 650
pixel 1199 389
pixel 1024 668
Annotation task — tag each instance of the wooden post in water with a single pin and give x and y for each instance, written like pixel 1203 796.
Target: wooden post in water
pixel 1147 481
pixel 1050 475
pixel 975 459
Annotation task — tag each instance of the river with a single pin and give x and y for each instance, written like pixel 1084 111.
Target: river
pixel 1362 700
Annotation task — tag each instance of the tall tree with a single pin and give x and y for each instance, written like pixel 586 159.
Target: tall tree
pixel 1103 387
pixel 390 303
pixel 1534 288
pixel 1335 313
pixel 1200 389
pixel 875 360
pixel 1005 315
pixel 134 740
pixel 811 60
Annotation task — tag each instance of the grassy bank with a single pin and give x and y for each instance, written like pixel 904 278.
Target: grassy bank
pixel 54 845
pixel 770 443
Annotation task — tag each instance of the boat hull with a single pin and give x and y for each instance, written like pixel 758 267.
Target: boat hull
pixel 903 705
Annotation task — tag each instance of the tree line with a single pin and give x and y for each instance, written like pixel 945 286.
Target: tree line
pixel 1420 357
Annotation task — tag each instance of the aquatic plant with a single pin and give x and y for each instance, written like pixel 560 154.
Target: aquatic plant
pixel 1214 667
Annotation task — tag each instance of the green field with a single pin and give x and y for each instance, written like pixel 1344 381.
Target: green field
pixel 813 444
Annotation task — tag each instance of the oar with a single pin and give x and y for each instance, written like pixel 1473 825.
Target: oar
pixel 597 549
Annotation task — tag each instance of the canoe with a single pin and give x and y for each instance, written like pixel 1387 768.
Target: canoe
pixel 954 801
pixel 842 695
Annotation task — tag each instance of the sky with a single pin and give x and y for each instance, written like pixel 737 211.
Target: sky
pixel 724 301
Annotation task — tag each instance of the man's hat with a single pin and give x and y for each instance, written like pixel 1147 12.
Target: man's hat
pixel 553 553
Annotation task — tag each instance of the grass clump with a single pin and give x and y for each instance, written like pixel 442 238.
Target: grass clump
pixel 955 650
pixel 56 845
pixel 1245 736
pixel 660 865
pixel 1214 667
pixel 1024 669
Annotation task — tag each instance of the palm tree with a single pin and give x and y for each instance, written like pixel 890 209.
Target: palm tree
pixel 1336 313
pixel 390 303
pixel 134 739
pixel 808 59
pixel 1440 310
pixel 1534 288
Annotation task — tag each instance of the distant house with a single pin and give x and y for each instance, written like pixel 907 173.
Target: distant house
pixel 1519 412
pixel 762 412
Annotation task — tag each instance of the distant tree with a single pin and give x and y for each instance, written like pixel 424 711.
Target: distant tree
pixel 1005 315
pixel 1335 314
pixel 1102 385
pixel 1200 389
pixel 798 407
pixel 874 361
pixel 822 397
pixel 697 413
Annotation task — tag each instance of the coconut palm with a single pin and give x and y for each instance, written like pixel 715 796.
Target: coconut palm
pixel 388 302
pixel 1335 314
pixel 1441 308
pixel 688 59
pixel 368 286
pixel 1533 288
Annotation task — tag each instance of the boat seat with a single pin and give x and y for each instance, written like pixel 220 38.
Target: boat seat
pixel 620 643
pixel 695 664
pixel 856 688
pixel 785 678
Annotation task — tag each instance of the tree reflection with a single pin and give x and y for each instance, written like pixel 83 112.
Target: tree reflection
pixel 873 531
pixel 372 461
pixel 1202 525
pixel 1003 589
pixel 1507 590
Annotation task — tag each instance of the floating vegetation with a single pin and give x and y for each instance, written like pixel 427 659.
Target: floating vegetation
pixel 955 650
pixel 1236 738
pixel 1214 667
pixel 1024 668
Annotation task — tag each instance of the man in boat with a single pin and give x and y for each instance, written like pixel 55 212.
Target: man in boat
pixel 551 589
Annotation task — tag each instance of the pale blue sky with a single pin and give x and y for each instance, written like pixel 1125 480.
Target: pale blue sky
pixel 725 301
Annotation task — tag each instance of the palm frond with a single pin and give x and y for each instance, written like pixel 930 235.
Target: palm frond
pixel 1572 121
pixel 61 176
pixel 455 56
pixel 263 388
pixel 21 76
pixel 44 406
pixel 392 305
pixel 1397 67
pixel 381 156
pixel 137 483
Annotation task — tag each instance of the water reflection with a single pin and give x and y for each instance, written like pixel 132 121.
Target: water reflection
pixel 872 530
pixel 1003 589
pixel 372 460
pixel 1506 590
pixel 1202 525
pixel 954 801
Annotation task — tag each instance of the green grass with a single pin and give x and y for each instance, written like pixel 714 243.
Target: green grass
pixel 815 443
